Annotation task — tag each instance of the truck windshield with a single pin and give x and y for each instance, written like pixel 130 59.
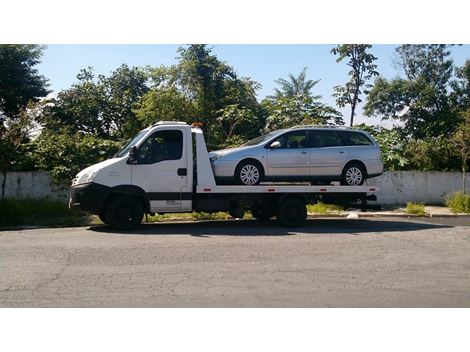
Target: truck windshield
pixel 264 138
pixel 129 144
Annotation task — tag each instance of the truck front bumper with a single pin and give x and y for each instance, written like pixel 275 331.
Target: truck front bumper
pixel 88 197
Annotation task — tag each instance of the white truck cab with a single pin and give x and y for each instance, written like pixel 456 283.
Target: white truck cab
pixel 166 168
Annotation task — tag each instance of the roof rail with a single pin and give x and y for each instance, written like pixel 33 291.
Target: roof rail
pixel 325 126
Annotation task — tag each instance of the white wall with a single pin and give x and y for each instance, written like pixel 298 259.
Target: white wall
pixel 34 185
pixel 400 187
pixel 397 187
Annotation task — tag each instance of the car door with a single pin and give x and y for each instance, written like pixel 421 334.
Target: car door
pixel 291 157
pixel 327 153
pixel 160 169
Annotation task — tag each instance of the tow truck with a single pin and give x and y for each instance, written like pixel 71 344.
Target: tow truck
pixel 166 169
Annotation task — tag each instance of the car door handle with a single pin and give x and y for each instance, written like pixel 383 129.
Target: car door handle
pixel 303 152
pixel 341 152
pixel 182 172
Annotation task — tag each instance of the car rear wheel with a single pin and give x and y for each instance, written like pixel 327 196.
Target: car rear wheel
pixel 249 173
pixel 353 175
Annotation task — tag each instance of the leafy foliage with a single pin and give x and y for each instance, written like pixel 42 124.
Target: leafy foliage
pixel 362 70
pixel 66 153
pixel 421 100
pixel 294 104
pixel 20 82
pixel 392 145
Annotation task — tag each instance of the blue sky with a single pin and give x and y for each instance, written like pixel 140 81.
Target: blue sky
pixel 263 63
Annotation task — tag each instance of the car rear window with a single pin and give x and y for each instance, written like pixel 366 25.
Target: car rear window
pixel 354 138
pixel 321 138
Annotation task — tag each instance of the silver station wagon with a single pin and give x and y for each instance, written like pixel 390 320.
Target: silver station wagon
pixel 318 154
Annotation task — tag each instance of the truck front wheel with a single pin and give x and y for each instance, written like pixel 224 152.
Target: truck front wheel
pixel 292 212
pixel 124 212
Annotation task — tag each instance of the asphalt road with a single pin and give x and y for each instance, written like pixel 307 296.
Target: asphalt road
pixel 379 262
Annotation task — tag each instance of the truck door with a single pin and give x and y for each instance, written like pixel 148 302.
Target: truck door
pixel 161 170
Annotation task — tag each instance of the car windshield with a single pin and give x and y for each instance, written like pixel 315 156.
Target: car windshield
pixel 261 139
pixel 128 145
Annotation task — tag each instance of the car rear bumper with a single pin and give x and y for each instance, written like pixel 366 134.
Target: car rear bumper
pixel 374 169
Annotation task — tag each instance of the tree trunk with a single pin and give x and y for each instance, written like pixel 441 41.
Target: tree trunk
pixel 353 108
pixel 4 181
pixel 463 178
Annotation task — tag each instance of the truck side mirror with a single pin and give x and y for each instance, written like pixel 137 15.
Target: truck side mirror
pixel 275 145
pixel 132 153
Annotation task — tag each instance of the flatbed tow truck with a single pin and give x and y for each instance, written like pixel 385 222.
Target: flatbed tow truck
pixel 176 176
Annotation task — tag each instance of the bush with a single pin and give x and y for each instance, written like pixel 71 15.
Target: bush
pixel 322 208
pixel 458 202
pixel 39 212
pixel 65 154
pixel 415 208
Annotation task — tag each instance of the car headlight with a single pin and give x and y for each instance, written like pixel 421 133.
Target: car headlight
pixel 87 177
pixel 214 157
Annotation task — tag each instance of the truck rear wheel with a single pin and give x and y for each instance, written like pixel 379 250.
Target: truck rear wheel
pixel 102 218
pixel 292 212
pixel 262 213
pixel 124 212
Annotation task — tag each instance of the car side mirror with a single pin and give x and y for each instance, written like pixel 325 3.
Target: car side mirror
pixel 275 145
pixel 132 153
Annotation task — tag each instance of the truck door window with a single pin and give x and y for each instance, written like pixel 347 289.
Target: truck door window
pixel 160 146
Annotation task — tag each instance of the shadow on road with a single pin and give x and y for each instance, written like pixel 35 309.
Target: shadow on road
pixel 272 228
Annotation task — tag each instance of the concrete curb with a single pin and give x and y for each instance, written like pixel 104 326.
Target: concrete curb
pixel 387 215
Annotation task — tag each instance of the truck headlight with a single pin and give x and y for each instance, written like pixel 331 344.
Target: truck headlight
pixel 87 177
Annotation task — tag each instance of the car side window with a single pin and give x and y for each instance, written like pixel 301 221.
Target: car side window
pixel 324 138
pixel 160 146
pixel 294 140
pixel 349 138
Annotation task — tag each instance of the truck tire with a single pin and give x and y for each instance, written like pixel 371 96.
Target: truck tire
pixel 262 213
pixel 249 173
pixel 102 218
pixel 292 212
pixel 124 212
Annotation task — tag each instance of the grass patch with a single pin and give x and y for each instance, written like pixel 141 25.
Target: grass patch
pixel 189 216
pixel 322 208
pixel 458 202
pixel 39 212
pixel 415 208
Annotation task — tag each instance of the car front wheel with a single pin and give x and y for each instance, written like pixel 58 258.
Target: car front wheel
pixel 249 173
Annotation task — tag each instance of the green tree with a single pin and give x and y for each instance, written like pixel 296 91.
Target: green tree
pixel 461 141
pixel 99 105
pixel 79 108
pixel 21 88
pixel 420 100
pixel 362 70
pixel 165 104
pixel 64 153
pixel 123 90
pixel 209 82
pixel 20 82
pixel 296 86
pixel 294 104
